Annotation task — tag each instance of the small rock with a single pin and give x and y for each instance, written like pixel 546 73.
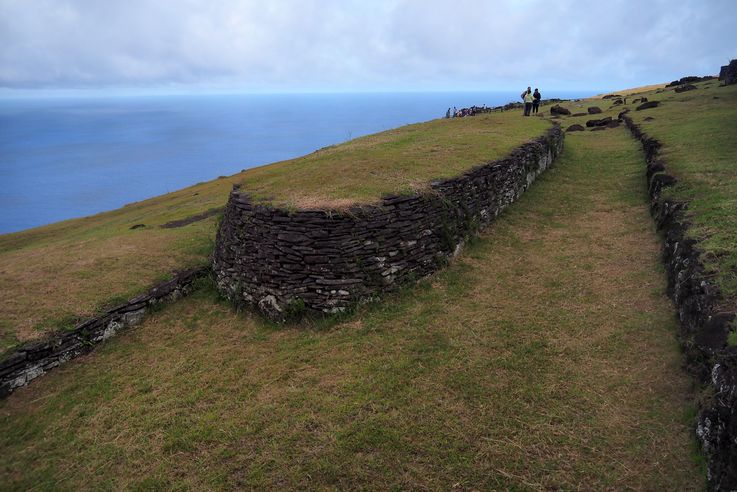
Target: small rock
pixel 558 110
pixel 685 87
pixel 649 118
pixel 601 122
pixel 648 105
pixel 575 128
pixel 137 226
pixel 594 110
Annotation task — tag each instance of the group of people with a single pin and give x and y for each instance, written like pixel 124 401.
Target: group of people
pixel 532 100
pixel 472 111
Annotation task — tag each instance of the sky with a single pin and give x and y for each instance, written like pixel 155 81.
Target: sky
pixel 355 46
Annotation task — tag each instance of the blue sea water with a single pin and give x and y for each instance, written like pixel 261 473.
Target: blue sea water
pixel 62 158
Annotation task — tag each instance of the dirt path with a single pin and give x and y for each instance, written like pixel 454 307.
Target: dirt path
pixel 544 358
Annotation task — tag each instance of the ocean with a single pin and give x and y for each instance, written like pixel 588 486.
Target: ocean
pixel 64 157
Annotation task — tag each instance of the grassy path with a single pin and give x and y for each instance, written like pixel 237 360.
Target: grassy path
pixel 543 358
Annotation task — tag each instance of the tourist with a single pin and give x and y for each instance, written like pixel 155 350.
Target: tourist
pixel 447 113
pixel 536 96
pixel 527 97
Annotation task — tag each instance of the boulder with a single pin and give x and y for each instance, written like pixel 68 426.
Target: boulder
pixel 574 128
pixel 643 100
pixel 611 96
pixel 647 105
pixel 612 124
pixel 684 88
pixel 635 101
pixel 594 110
pixel 137 226
pixel 601 122
pixel 579 114
pixel 557 109
pixel 617 102
pixel 619 116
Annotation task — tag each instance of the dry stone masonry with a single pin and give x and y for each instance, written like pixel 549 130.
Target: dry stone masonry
pixel 34 359
pixel 704 322
pixel 286 263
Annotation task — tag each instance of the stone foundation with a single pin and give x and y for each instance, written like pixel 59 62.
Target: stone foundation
pixel 286 263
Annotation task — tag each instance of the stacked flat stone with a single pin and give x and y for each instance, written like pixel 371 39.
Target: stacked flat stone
pixel 285 263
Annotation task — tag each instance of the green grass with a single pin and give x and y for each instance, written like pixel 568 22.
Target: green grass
pixel 698 130
pixel 401 160
pixel 543 358
pixel 699 136
pixel 52 274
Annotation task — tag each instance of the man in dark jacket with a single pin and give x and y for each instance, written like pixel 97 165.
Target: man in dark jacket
pixel 536 96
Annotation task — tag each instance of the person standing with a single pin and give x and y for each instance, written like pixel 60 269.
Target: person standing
pixel 536 96
pixel 527 97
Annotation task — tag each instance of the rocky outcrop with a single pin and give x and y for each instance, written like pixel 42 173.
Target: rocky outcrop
pixel 287 263
pixel 32 360
pixel 690 80
pixel 728 73
pixel 704 322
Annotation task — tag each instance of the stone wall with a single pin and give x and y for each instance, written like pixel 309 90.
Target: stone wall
pixel 704 323
pixel 286 263
pixel 34 359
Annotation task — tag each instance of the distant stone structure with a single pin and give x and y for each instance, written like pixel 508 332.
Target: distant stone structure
pixel 728 73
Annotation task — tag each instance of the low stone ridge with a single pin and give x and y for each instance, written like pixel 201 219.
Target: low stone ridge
pixel 32 360
pixel 648 105
pixel 192 219
pixel 286 264
pixel 728 73
pixel 559 110
pixel 684 88
pixel 594 110
pixel 689 80
pixel 575 128
pixel 704 323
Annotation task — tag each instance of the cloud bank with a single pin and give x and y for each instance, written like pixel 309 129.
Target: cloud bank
pixel 326 45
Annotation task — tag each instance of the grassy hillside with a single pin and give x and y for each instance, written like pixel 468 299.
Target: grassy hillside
pixel 50 276
pixel 543 358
